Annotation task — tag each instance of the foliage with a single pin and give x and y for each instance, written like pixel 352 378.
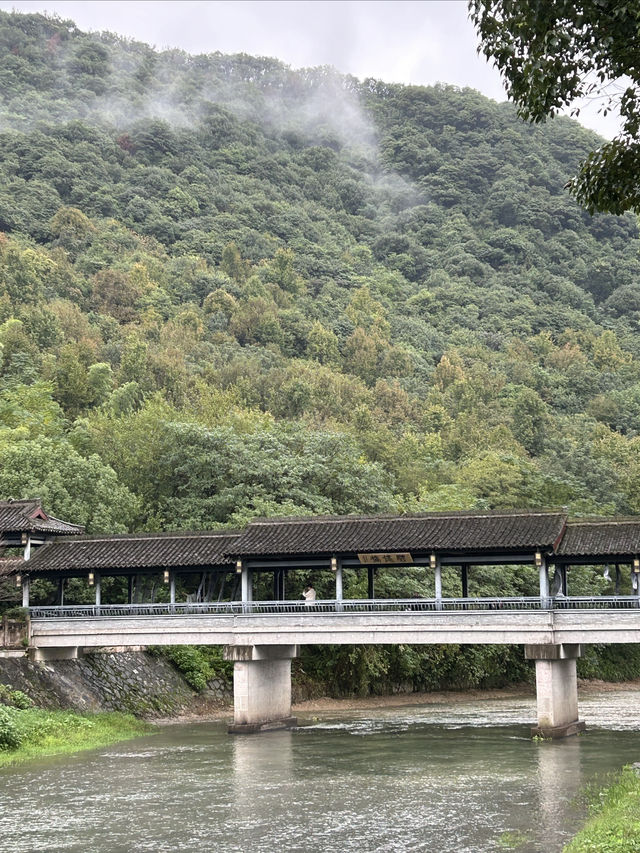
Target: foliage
pixel 552 57
pixel 198 664
pixel 610 662
pixel 614 826
pixel 366 670
pixel 71 486
pixel 33 732
pixel 18 613
pixel 11 735
pixel 229 289
pixel 14 698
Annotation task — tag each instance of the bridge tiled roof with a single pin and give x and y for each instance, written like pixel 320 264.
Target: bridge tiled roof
pixel 453 531
pixel 135 551
pixel 601 537
pixel 28 516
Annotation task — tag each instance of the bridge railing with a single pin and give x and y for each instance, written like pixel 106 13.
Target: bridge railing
pixel 359 606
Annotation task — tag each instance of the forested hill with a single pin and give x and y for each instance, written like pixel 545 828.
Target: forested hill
pixel 229 289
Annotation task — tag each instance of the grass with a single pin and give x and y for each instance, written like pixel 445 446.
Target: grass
pixel 614 826
pixel 512 840
pixel 34 733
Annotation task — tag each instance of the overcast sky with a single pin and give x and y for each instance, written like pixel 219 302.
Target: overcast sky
pixel 406 41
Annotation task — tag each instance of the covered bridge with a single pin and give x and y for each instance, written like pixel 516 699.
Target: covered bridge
pixel 277 546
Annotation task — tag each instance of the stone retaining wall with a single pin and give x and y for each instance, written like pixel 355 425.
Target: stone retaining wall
pixel 136 682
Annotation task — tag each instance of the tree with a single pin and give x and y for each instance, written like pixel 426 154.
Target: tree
pixel 554 53
pixel 82 490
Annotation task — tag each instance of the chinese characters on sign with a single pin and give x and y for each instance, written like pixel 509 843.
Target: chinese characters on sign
pixel 385 559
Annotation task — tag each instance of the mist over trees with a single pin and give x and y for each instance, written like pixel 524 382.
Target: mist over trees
pixel 228 290
pixel 220 252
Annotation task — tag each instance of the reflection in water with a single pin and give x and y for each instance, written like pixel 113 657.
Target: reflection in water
pixel 559 780
pixel 433 779
pixel 263 773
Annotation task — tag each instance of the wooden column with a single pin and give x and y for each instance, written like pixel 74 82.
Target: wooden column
pixel 617 590
pixel 464 577
pixel 279 584
pixel 130 589
pixel 172 588
pixel 61 592
pixel 565 580
pixel 371 576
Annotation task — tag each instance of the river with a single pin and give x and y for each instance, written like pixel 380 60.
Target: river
pixel 439 778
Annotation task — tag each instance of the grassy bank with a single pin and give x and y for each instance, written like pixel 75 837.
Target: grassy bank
pixel 33 732
pixel 615 823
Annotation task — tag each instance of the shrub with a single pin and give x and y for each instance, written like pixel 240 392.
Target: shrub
pixel 10 731
pixel 14 698
pixel 18 613
pixel 198 664
pixel 20 700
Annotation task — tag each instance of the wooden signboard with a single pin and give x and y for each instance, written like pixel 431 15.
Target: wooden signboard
pixel 385 559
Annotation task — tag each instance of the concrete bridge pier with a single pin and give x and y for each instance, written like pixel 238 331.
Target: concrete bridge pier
pixel 37 655
pixel 261 687
pixel 556 689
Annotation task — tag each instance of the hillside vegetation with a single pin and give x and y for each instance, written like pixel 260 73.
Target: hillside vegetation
pixel 229 289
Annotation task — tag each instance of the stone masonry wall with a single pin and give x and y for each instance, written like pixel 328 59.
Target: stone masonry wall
pixel 136 682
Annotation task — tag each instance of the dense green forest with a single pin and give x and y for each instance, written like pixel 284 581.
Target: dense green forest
pixel 229 289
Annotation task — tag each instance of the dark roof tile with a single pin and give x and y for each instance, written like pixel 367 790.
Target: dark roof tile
pixel 134 551
pixel 601 537
pixel 457 531
pixel 27 516
pixel 11 565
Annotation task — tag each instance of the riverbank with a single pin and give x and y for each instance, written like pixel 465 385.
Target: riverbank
pixel 614 825
pixel 34 732
pixel 329 704
pixel 365 703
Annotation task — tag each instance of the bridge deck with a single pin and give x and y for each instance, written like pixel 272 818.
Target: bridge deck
pixel 423 621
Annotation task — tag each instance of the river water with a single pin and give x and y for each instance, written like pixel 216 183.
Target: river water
pixel 463 778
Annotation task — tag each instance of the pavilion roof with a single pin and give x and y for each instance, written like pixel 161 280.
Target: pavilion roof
pixel 135 551
pixel 28 516
pixel 11 565
pixel 451 531
pixel 601 537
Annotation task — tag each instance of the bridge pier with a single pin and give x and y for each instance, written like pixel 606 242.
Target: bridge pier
pixel 261 687
pixel 556 689
pixel 38 655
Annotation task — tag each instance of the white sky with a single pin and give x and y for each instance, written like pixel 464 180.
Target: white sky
pixel 406 41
